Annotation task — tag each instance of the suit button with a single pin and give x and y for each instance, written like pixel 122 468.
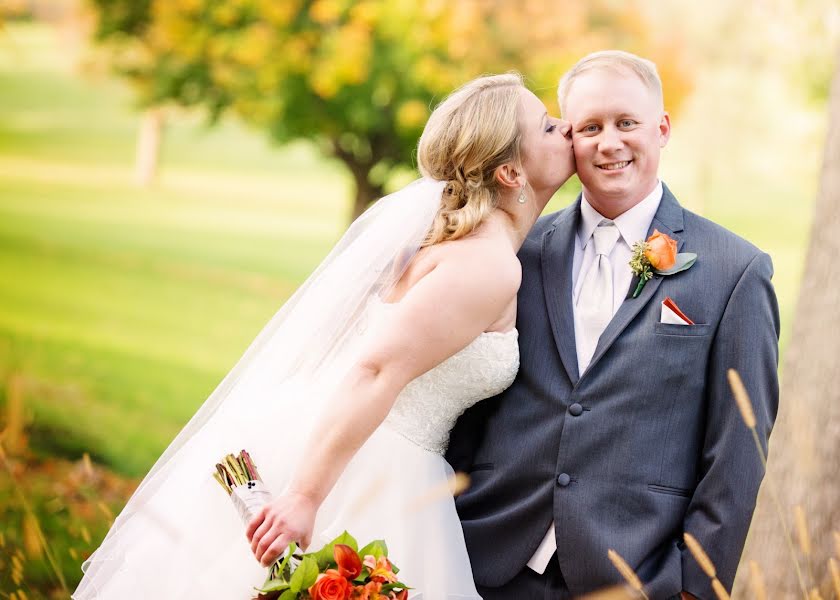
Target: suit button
pixel 563 479
pixel 576 410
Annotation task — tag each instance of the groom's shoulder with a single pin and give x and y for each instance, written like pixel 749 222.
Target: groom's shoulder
pixel 716 235
pixel 734 253
pixel 547 222
pixel 534 240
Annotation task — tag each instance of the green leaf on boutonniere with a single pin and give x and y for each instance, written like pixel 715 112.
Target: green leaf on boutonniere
pixel 305 575
pixel 684 261
pixel 288 595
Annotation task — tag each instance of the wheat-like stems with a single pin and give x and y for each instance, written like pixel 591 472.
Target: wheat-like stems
pixel 742 398
pixel 700 555
pixel 804 538
pixel 757 581
pixel 815 594
pixel 835 576
pixel 613 593
pixel 720 591
pixel 627 572
pixel 706 564
pixel 456 484
pixel 836 544
pixel 37 526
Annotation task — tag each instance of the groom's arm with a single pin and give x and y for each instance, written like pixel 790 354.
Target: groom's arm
pixel 467 435
pixel 721 508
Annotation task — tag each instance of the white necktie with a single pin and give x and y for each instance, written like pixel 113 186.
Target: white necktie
pixel 594 304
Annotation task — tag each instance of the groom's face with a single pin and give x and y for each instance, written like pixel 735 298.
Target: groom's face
pixel 618 129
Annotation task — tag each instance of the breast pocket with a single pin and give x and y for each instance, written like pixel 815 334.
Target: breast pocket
pixel 696 330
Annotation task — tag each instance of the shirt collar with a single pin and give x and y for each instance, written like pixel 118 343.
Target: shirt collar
pixel 633 224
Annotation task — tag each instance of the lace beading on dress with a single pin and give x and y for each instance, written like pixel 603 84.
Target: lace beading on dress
pixel 426 410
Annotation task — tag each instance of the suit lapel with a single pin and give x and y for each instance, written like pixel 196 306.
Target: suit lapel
pixel 557 257
pixel 668 220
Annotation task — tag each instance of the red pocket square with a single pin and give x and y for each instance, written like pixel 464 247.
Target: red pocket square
pixel 676 309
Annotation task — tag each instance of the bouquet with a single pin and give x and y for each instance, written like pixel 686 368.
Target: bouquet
pixel 338 571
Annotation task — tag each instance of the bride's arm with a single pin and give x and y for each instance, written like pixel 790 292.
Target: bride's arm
pixel 441 314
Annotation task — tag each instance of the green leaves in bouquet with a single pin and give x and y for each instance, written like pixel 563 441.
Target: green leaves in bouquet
pixel 325 556
pixel 279 574
pixel 378 549
pixel 396 586
pixel 304 576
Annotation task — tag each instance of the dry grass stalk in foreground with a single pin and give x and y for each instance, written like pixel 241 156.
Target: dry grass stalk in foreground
pixel 33 520
pixel 453 486
pixel 700 555
pixel 802 531
pixel 627 572
pixel 742 399
pixel 804 538
pixel 613 593
pixel 836 536
pixel 706 564
pixel 835 576
pixel 757 581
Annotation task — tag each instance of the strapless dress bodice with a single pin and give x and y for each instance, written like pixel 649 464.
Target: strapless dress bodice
pixel 426 410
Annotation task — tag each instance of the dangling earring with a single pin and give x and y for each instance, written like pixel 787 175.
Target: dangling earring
pixel 522 199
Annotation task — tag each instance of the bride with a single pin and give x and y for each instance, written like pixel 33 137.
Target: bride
pixel 346 399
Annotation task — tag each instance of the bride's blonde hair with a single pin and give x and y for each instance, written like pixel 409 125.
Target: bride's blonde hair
pixel 470 134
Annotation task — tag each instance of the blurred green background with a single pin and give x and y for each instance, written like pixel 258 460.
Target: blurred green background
pixel 122 306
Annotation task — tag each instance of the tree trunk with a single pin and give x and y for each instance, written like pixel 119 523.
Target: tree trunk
pixel 805 446
pixel 365 191
pixel 148 146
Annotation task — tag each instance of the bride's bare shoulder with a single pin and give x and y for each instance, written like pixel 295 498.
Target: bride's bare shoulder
pixel 487 262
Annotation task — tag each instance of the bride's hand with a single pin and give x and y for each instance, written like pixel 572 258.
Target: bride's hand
pixel 289 518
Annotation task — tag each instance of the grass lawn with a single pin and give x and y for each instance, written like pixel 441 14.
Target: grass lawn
pixel 124 307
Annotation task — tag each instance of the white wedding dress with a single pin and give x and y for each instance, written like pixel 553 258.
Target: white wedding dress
pixel 187 541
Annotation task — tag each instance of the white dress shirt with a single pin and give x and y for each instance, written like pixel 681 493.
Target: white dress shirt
pixel 633 226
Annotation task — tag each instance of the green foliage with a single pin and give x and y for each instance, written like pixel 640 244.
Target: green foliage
pixel 325 557
pixel 122 17
pixel 305 575
pixel 358 77
pixel 377 549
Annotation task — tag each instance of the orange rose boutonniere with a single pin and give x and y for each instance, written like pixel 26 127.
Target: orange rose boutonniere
pixel 658 256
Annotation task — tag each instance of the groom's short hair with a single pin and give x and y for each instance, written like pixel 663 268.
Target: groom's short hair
pixel 614 60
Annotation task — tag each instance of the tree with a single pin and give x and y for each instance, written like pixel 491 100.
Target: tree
pixel 359 77
pixel 805 448
pixel 125 26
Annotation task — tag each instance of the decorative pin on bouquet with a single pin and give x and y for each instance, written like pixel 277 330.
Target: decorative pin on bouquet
pixel 338 571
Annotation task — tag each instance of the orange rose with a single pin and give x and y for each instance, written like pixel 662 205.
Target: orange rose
pixel 349 563
pixel 661 251
pixel 331 586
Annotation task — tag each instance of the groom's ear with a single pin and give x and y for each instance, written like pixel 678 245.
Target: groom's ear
pixel 664 130
pixel 508 176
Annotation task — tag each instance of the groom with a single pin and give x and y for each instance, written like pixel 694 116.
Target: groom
pixel 620 431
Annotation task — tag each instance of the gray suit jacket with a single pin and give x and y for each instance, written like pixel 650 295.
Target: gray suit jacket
pixel 644 445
